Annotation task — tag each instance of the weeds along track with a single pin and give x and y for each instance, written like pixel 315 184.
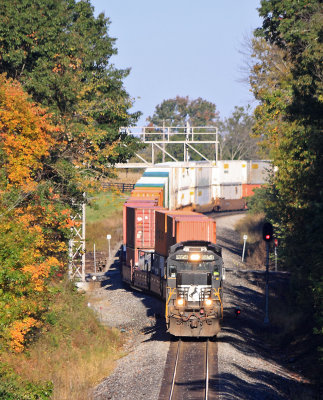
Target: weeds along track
pixel 190 371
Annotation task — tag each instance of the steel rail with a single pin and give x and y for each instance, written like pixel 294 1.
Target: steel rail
pixel 206 395
pixel 175 369
pixel 207 371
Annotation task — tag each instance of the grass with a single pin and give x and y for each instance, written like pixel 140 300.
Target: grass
pixel 74 352
pixel 104 216
pixel 125 176
pixel 251 225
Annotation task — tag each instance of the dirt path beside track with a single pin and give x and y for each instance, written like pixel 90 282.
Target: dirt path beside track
pixel 246 368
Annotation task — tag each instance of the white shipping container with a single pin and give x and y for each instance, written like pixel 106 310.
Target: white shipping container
pixel 258 172
pixel 185 177
pixel 230 171
pixel 203 176
pixel 231 191
pixel 203 195
pixel 184 197
pixel 216 191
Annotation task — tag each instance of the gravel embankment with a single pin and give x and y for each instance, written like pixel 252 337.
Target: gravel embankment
pixel 246 368
pixel 139 317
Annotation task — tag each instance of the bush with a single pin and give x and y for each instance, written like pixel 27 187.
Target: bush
pixel 12 387
pixel 73 351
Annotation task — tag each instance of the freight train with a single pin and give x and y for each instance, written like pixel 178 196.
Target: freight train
pixel 170 249
pixel 164 257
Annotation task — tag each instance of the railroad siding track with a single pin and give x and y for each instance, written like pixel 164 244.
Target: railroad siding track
pixel 190 371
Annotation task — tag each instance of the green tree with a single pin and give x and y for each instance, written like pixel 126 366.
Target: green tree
pixel 61 53
pixel 287 79
pixel 182 110
pixel 236 141
pixel 179 111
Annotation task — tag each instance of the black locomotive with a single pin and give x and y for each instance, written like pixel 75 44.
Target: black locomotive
pixel 189 280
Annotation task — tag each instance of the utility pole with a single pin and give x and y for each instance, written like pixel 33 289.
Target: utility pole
pixel 188 129
pixel 267 234
pixel 216 145
pixel 163 155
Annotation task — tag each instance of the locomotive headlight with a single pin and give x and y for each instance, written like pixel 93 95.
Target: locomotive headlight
pixel 180 301
pixel 195 257
pixel 208 302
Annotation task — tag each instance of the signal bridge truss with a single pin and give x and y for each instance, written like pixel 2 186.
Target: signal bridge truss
pixel 158 137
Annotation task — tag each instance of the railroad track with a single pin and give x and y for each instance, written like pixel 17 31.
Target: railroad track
pixel 190 372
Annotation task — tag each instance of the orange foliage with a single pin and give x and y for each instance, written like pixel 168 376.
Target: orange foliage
pixel 18 331
pixel 40 272
pixel 36 229
pixel 26 135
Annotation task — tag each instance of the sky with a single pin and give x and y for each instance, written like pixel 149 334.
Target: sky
pixel 182 47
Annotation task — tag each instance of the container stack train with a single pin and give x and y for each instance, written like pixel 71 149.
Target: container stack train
pixel 170 249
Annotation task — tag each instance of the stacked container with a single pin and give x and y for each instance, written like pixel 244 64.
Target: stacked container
pixel 176 226
pixel 161 228
pixel 182 228
pixel 139 230
pixel 148 183
pixel 143 203
pixel 149 193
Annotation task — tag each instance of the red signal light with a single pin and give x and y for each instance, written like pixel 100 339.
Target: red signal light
pixel 267 232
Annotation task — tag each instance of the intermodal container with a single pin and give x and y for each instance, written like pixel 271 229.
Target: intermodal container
pixel 182 228
pixel 259 171
pixel 154 182
pixel 147 200
pixel 149 192
pixel 248 190
pixel 140 226
pixel 142 204
pixel 161 234
pixel 156 173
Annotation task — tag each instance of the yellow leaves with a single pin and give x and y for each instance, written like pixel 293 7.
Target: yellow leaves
pixel 18 332
pixel 25 133
pixel 40 272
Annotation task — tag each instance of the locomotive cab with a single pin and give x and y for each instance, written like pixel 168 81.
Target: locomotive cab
pixel 194 278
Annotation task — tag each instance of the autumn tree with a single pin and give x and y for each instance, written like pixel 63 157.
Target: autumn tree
pixel 34 220
pixel 287 80
pixel 60 52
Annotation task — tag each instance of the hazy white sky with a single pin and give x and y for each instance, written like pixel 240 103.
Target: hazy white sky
pixel 182 47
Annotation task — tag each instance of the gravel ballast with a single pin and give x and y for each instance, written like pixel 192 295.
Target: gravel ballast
pixel 247 369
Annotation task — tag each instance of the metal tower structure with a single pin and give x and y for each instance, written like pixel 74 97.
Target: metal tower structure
pixel 76 251
pixel 160 136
